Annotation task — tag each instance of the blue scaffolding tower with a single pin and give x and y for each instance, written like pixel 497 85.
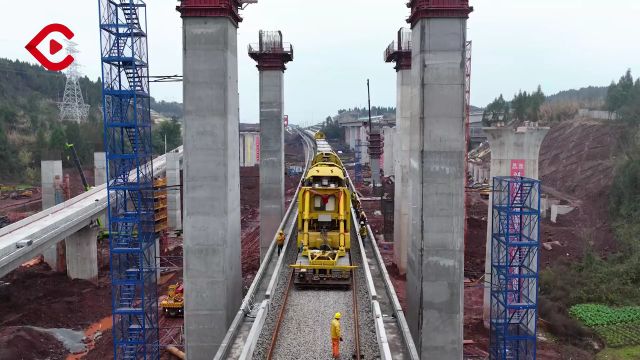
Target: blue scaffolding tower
pixel 515 243
pixel 127 140
pixel 358 160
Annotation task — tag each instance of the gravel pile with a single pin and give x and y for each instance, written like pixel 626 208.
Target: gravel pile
pixel 305 331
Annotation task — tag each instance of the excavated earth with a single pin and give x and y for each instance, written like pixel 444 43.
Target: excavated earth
pixel 577 160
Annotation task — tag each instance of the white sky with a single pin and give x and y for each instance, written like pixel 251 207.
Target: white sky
pixel 339 43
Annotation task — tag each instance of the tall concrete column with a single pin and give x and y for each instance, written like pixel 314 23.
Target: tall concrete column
pixel 375 150
pixel 173 191
pixel 99 178
pixel 82 254
pixel 49 171
pixel 51 177
pixel 347 137
pixel 212 272
pixel 436 256
pixel 364 152
pixel 99 168
pixel 388 158
pixel 271 54
pixel 513 152
pixel 399 52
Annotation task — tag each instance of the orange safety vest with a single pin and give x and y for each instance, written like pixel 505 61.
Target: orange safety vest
pixel 280 239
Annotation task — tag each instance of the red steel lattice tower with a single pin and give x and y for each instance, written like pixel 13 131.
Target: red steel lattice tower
pixel 467 130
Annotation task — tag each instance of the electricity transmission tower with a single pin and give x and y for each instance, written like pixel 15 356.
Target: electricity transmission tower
pixel 73 107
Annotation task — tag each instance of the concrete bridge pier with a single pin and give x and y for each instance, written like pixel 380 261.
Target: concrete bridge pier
pixel 399 52
pixel 99 178
pixel 82 254
pixel 173 191
pixel 514 152
pixel 271 54
pixel 212 272
pixel 52 195
pixel 436 256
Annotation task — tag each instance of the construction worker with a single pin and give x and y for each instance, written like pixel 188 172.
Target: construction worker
pixel 280 241
pixel 363 217
pixel 363 231
pixel 335 335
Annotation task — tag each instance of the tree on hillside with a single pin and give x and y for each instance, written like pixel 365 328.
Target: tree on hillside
pixel 523 107
pixel 9 164
pixel 331 129
pixel 623 98
pixel 173 132
pixel 57 139
pixel 519 105
pixel 535 102
pixel 619 94
pixel 497 111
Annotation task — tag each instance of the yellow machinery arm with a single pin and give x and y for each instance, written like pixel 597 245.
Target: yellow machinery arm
pixel 341 219
pixel 305 230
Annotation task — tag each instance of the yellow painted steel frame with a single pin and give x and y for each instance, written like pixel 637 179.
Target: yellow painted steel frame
pixel 323 267
pixel 338 238
pixel 327 157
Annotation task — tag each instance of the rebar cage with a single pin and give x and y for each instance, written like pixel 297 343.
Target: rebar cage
pixel 515 243
pixel 127 139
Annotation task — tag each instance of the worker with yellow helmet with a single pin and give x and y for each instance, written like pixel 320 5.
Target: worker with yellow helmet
pixel 280 241
pixel 336 336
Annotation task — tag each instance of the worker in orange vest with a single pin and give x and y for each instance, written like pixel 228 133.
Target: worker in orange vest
pixel 363 231
pixel 280 241
pixel 335 335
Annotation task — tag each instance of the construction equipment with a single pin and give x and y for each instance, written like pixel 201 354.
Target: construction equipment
pixel 173 305
pixel 102 234
pixel 485 192
pixel 76 161
pixel 324 224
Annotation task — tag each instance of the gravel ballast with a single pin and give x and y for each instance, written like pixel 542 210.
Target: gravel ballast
pixel 305 331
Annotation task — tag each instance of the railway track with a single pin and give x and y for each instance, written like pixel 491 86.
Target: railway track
pixel 278 321
pixel 309 332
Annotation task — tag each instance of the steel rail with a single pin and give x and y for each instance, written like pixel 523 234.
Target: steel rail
pixel 246 307
pixel 283 308
pixel 356 320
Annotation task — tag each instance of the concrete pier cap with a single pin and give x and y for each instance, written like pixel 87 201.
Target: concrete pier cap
pixel 514 152
pixel 271 55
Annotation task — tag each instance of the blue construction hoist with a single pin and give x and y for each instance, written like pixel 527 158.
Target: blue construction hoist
pixel 127 141
pixel 515 244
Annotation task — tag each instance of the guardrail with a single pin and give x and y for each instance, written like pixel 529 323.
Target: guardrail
pixel 385 352
pixel 55 223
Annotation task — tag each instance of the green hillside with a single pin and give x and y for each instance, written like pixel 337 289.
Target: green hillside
pixel 30 129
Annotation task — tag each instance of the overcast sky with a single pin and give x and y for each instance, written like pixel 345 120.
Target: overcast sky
pixel 338 44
